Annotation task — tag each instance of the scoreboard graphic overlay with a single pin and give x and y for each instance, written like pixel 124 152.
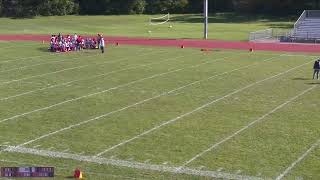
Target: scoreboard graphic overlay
pixel 27 171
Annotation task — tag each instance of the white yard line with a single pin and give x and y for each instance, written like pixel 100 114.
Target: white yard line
pixel 39 64
pixel 24 58
pixel 42 75
pixel 129 164
pixel 67 69
pixel 16 45
pixel 99 92
pixel 193 111
pixel 50 54
pixel 70 82
pixel 112 112
pixel 303 156
pixel 133 105
pixel 63 84
pixel 247 126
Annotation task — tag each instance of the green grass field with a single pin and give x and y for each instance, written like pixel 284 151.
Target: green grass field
pixel 159 113
pixel 222 26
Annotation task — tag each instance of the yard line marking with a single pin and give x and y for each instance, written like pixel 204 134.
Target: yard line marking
pixel 132 105
pixel 67 83
pixel 17 45
pixel 50 148
pixel 128 164
pixel 112 112
pixel 24 58
pixel 59 54
pixel 30 82
pixel 52 54
pixel 67 69
pixel 248 126
pixel 39 64
pixel 193 111
pixel 110 89
pixel 66 150
pixel 135 104
pixel 96 93
pixel 303 156
pixel 36 146
pixel 53 86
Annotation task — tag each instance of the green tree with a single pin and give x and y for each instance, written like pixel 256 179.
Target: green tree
pixel 0 7
pixel 56 7
pixel 165 6
pixel 137 6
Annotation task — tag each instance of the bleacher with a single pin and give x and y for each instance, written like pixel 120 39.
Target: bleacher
pixel 307 28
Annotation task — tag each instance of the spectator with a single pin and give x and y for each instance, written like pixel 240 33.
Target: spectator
pixel 102 44
pixel 316 68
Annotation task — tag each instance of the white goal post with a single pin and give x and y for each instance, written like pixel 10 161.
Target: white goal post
pixel 159 20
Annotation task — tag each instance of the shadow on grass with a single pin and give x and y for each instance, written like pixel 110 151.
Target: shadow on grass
pixel 314 83
pixel 301 79
pixel 70 177
pixel 235 18
pixel 43 49
pixel 86 51
pixel 280 25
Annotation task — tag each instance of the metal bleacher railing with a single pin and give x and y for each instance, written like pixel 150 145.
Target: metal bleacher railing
pixel 306 29
pixel 307 26
pixel 301 18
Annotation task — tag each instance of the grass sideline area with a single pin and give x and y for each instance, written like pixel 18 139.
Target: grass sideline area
pixel 223 26
pixel 159 113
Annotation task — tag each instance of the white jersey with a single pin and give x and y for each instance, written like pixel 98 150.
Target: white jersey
pixel 102 42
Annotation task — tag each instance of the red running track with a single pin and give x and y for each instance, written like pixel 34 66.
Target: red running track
pixel 286 47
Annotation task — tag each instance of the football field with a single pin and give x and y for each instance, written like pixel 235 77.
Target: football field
pixel 140 112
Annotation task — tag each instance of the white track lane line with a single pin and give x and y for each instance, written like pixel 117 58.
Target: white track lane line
pixel 137 103
pixel 99 92
pixel 195 110
pixel 67 69
pixel 301 158
pixel 215 145
pixel 128 164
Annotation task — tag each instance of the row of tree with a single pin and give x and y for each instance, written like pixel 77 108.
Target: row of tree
pixel 64 7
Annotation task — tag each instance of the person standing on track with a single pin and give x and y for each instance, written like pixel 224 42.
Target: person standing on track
pixel 98 40
pixel 101 43
pixel 316 68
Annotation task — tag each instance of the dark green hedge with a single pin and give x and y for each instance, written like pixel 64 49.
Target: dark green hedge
pixel 63 7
